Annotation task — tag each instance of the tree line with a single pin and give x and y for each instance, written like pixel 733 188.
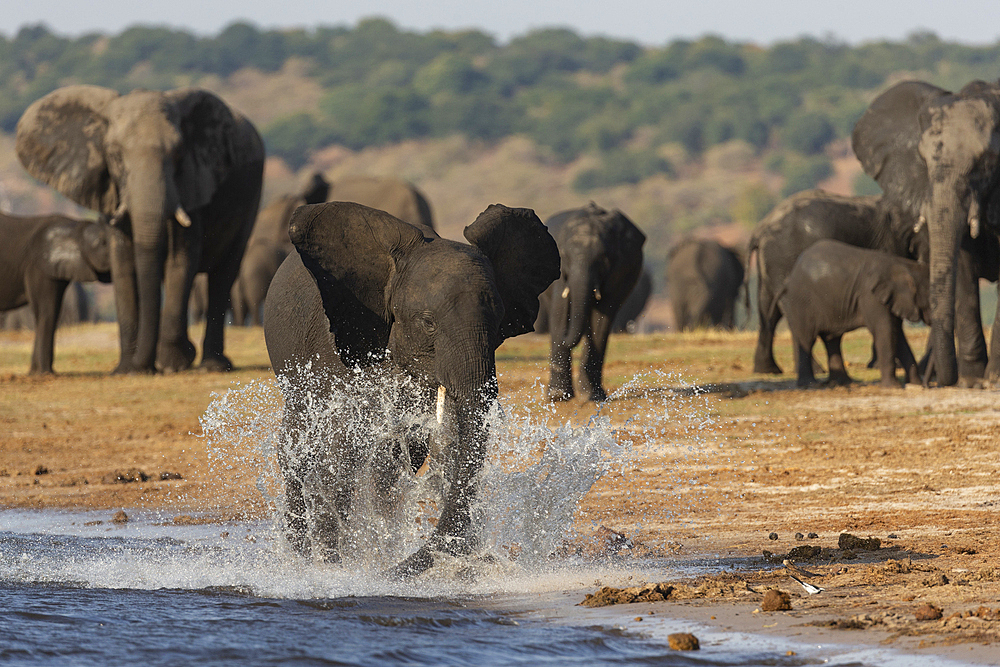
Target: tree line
pixel 614 99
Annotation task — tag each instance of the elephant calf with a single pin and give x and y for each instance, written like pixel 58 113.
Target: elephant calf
pixel 834 288
pixel 39 257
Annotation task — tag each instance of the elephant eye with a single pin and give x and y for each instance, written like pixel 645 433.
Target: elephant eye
pixel 426 322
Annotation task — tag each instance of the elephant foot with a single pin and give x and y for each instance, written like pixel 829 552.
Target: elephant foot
pixel 839 380
pixel 967 382
pixel 216 364
pixel 175 357
pixel 557 394
pixel 767 367
pixel 127 368
pixel 415 564
pixel 597 395
pixel 806 382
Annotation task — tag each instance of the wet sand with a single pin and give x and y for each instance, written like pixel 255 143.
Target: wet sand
pixel 728 465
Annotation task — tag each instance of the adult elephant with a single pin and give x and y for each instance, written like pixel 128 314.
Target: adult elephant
pixel 179 173
pixel 804 219
pixel 395 196
pixel 704 279
pixel 268 246
pixel 368 291
pixel 601 256
pixel 936 155
pixel 628 314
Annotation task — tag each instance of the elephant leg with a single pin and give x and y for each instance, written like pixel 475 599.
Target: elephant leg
pixel 835 360
pixel 993 367
pixel 768 316
pixel 220 283
pixel 238 301
pixel 972 356
pixel 904 355
pixel 175 351
pixel 126 299
pixel 46 298
pixel 803 359
pixel 595 345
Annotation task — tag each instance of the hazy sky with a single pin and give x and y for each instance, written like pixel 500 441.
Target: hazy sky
pixel 646 21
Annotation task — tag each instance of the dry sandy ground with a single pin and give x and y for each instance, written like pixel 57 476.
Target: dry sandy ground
pixel 728 465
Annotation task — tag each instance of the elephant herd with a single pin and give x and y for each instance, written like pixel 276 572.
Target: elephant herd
pixel 364 284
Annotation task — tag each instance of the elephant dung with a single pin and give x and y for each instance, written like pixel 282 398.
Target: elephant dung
pixel 775 600
pixel 854 543
pixel 683 641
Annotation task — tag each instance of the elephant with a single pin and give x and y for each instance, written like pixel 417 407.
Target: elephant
pixel 393 195
pixel 268 246
pixel 39 257
pixel 628 314
pixel 635 303
pixel 704 279
pixel 834 288
pixel 601 257
pixel 179 174
pixel 805 218
pixel 936 155
pixel 365 292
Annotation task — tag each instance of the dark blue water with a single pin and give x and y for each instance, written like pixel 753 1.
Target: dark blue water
pixel 72 594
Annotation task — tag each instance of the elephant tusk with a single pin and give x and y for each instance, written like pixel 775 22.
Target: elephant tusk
pixel 565 292
pixel 118 216
pixel 597 294
pixel 921 221
pixel 974 217
pixel 182 217
pixel 440 404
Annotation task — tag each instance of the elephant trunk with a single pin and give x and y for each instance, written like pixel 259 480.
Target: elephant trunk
pixel 581 291
pixel 947 225
pixel 151 201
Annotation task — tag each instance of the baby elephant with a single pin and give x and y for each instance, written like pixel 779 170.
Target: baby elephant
pixel 39 256
pixel 835 288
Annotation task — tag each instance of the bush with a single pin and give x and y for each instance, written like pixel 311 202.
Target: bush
pixel 804 172
pixel 620 167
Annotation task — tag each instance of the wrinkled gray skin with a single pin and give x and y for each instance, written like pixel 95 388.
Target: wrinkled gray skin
pixel 936 155
pixel 704 279
pixel 364 289
pixel 800 221
pixel 601 256
pixel 39 256
pixel 835 288
pixel 628 315
pixel 179 173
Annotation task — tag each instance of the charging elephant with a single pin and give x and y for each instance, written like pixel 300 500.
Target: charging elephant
pixel 601 256
pixel 835 288
pixel 179 174
pixel 936 155
pixel 704 278
pixel 365 291
pixel 39 256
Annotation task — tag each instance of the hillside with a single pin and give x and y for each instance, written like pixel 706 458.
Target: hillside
pixel 694 135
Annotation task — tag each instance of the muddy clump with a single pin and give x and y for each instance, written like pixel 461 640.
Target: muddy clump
pixel 849 542
pixel 683 641
pixel 125 477
pixel 119 517
pixel 928 612
pixel 775 600
pixel 609 595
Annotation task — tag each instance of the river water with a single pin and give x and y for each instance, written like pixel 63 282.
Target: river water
pixel 77 589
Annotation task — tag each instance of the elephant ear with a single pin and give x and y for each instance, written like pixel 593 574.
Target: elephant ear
pixel 211 147
pixel 886 140
pixel 525 261
pixel 351 251
pixel 899 293
pixel 60 141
